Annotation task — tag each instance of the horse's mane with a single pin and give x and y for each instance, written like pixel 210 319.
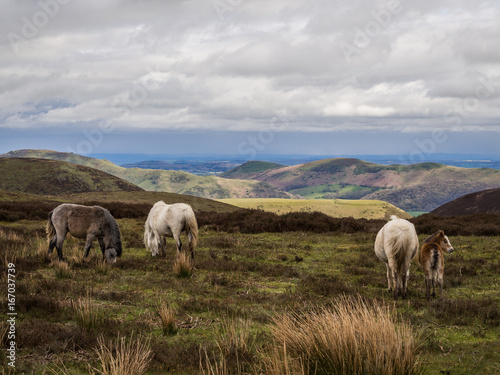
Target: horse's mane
pixel 115 232
pixel 428 239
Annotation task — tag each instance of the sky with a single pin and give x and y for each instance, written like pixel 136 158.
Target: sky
pixel 251 77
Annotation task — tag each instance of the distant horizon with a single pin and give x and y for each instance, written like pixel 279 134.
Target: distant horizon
pixel 232 160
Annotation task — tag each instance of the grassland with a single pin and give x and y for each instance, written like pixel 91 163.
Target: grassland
pixel 244 278
pixel 369 209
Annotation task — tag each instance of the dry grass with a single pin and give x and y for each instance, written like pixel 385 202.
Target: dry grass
pixel 62 270
pixel 350 338
pixel 234 339
pixel 86 313
pixel 183 266
pixel 124 357
pixel 167 317
pixel 215 367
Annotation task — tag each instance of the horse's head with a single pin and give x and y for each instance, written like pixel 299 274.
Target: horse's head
pixel 444 242
pixel 111 255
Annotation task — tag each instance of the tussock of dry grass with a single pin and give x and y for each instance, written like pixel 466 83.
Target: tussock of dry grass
pixel 351 338
pixel 124 357
pixel 86 313
pixel 183 266
pixel 167 317
pixel 234 339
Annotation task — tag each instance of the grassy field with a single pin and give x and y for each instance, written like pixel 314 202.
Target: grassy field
pixel 240 283
pixel 369 209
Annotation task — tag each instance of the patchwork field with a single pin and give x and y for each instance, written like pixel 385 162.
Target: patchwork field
pixel 222 316
pixel 369 209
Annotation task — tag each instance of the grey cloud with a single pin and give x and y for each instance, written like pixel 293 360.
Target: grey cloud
pixel 92 61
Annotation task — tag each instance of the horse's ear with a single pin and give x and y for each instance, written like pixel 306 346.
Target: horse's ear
pixel 441 233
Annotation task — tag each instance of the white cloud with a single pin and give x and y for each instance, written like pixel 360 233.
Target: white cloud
pixel 183 65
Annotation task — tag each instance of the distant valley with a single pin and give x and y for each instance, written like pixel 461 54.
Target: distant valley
pixel 419 187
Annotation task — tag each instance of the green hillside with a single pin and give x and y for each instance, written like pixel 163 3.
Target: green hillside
pixel 163 180
pixel 250 168
pixel 52 177
pixel 420 187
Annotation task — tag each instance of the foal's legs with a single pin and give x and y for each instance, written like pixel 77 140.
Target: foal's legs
pixel 427 287
pixel 440 282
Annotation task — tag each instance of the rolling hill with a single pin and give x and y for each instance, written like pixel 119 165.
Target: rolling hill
pixel 53 177
pixel 162 180
pixel 481 202
pixel 419 187
pixel 357 209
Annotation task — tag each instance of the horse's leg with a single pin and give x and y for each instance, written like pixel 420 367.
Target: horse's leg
pixel 163 246
pixel 440 282
pixel 427 287
pixel 389 278
pixel 59 244
pixel 404 281
pixel 178 242
pixel 88 245
pixel 101 245
pixel 190 239
pixel 396 279
pixel 52 244
pixel 433 280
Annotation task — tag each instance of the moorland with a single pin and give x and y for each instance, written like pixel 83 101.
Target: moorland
pixel 251 266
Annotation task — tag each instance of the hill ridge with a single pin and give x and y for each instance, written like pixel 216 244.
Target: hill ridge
pixel 481 202
pixel 52 177
pixel 180 182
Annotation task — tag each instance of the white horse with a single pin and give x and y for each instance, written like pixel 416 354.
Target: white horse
pixel 169 220
pixel 396 245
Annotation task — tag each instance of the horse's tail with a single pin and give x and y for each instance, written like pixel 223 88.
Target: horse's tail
pixel 192 230
pixel 400 240
pixel 151 239
pixel 49 228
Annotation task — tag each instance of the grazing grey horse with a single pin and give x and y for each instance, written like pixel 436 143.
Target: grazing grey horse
pixel 169 220
pixel 84 222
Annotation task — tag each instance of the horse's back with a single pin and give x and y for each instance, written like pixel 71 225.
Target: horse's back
pixel 395 234
pixel 78 218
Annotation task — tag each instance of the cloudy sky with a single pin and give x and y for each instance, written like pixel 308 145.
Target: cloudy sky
pixel 250 76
